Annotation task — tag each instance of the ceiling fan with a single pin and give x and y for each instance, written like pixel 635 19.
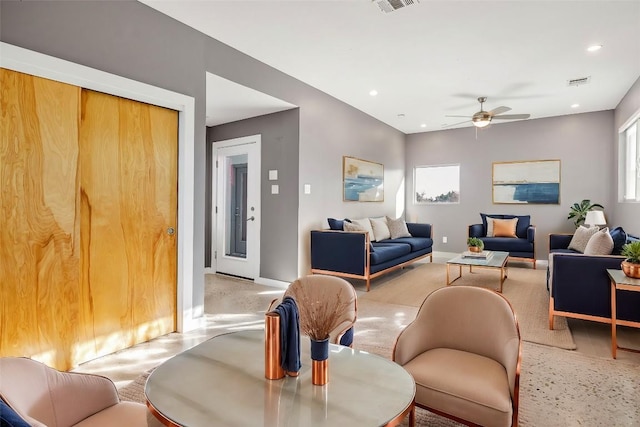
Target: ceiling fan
pixel 483 118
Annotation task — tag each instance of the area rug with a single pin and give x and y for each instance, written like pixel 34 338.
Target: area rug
pixel 525 288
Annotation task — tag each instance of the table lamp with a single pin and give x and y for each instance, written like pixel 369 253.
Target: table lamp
pixel 595 218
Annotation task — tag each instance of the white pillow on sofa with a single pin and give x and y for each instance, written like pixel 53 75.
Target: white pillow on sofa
pixel 366 226
pixel 581 238
pixel 600 243
pixel 380 228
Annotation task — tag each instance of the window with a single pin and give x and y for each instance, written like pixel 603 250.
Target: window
pixel 629 163
pixel 436 184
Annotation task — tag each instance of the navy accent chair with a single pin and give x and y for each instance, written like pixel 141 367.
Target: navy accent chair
pixel 520 248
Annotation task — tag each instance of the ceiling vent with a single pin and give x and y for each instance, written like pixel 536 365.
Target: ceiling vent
pixel 388 6
pixel 578 82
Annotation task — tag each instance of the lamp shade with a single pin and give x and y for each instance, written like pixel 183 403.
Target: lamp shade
pixel 595 218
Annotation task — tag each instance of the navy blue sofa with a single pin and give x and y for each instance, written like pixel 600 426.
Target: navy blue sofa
pixel 579 286
pixel 351 253
pixel 521 248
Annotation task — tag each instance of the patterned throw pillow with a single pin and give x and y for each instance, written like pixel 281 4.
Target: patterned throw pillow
pixel 601 243
pixel 504 227
pixel 581 238
pixel 398 228
pixel 380 228
pixel 351 226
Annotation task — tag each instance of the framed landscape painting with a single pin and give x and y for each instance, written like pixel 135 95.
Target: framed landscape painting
pixel 363 181
pixel 529 182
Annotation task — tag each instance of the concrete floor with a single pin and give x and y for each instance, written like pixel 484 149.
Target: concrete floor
pixel 124 366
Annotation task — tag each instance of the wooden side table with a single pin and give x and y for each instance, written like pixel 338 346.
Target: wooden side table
pixel 620 282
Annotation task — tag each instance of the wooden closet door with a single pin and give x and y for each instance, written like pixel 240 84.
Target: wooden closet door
pixel 39 219
pixel 128 188
pixel 88 186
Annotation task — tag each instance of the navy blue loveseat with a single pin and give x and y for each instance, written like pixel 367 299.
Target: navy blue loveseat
pixel 352 254
pixel 522 247
pixel 579 286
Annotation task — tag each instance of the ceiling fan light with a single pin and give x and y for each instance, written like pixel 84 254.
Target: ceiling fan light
pixel 481 122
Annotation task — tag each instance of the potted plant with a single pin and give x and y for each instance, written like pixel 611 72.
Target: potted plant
pixel 631 265
pixel 578 212
pixel 475 244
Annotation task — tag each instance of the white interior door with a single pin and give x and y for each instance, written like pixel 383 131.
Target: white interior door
pixel 237 207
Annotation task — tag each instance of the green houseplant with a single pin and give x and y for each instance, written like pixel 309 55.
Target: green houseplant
pixel 475 244
pixel 631 265
pixel 578 211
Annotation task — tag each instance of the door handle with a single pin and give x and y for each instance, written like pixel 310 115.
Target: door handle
pixel 253 218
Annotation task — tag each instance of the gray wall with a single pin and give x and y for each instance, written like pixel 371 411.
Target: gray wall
pixel 626 214
pixel 278 239
pixel 583 143
pixel 129 39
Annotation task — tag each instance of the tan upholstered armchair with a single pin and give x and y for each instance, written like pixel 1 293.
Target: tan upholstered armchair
pixel 43 397
pixel 320 287
pixel 463 351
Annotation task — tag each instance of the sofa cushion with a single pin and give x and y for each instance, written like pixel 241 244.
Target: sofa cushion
pixel 524 221
pixel 366 226
pixel 416 243
pixel 380 228
pixel 619 239
pixel 600 243
pixel 337 224
pixel 398 228
pixel 581 238
pixel 507 244
pixel 9 417
pixel 504 227
pixel 388 251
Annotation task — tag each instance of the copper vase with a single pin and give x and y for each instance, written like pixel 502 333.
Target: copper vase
pixel 272 349
pixel 320 361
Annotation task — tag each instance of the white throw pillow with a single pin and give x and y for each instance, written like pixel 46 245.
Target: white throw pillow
pixel 380 228
pixel 398 228
pixel 366 226
pixel 600 243
pixel 581 238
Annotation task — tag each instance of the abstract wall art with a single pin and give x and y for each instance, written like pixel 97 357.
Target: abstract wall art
pixel 527 182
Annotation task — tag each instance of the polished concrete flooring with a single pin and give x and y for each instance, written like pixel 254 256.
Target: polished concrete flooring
pixel 226 313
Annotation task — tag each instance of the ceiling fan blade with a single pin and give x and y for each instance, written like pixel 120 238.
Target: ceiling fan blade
pixel 459 116
pixel 499 110
pixel 456 124
pixel 512 117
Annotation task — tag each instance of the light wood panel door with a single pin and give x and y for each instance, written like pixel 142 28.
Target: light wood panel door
pixel 128 191
pixel 88 192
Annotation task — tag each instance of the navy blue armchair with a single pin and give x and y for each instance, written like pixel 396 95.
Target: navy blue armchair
pixel 520 248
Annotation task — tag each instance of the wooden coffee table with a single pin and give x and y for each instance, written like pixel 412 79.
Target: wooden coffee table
pixel 497 261
pixel 620 282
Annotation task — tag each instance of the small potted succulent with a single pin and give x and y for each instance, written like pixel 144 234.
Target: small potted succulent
pixel 631 265
pixel 475 244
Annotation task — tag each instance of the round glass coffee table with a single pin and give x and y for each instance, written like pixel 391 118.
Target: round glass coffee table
pixel 221 382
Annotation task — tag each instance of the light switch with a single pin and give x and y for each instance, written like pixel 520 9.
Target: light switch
pixel 275 189
pixel 307 189
pixel 273 175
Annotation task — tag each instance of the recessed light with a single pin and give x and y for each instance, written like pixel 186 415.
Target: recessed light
pixel 373 92
pixel 575 105
pixel 594 47
pixel 401 116
pixel 423 125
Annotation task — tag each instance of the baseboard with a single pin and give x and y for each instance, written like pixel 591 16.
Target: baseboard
pixel 209 270
pixel 271 282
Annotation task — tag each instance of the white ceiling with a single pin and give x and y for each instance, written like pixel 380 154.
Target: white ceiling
pixel 435 58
